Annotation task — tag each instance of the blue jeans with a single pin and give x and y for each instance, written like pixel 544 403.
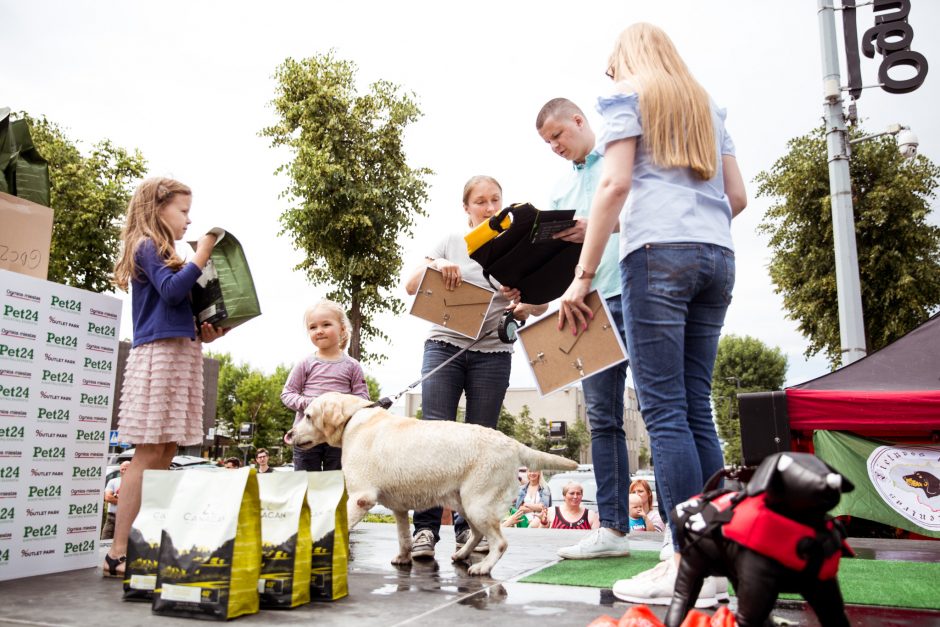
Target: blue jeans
pixel 675 297
pixel 603 397
pixel 484 377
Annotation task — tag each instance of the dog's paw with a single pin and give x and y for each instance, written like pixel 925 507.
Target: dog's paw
pixel 461 555
pixel 479 569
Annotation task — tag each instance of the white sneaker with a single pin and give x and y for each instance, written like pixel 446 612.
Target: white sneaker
pixel 721 588
pixel 657 586
pixel 667 551
pixel 601 542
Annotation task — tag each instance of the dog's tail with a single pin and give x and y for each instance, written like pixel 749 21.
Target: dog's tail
pixel 537 460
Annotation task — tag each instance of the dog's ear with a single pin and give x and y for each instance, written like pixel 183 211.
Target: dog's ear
pixel 764 475
pixel 334 414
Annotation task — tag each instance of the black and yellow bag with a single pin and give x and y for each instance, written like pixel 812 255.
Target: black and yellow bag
pixel 286 548
pixel 210 553
pixel 329 530
pixel 143 543
pixel 516 248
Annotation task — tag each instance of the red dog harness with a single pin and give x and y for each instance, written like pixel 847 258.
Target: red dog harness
pixel 749 522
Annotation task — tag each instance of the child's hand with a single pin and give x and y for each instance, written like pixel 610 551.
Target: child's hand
pixel 210 333
pixel 204 248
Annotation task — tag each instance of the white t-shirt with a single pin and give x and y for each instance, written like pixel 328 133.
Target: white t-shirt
pixel 453 248
pixel 114 485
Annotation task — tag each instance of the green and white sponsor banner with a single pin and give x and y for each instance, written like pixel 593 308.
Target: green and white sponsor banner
pixel 895 484
pixel 58 354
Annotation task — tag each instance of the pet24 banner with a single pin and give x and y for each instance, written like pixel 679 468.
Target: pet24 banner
pixel 895 484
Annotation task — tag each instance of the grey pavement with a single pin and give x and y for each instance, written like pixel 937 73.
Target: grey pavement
pixel 435 592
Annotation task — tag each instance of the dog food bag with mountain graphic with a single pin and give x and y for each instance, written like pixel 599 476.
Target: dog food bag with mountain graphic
pixel 285 540
pixel 210 554
pixel 143 544
pixel 329 529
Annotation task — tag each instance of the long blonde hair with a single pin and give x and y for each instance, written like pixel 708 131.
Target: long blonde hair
pixel 677 118
pixel 144 222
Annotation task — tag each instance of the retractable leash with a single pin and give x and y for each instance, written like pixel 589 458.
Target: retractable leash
pixel 506 330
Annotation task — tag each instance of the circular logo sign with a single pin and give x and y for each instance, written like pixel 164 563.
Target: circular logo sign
pixel 907 478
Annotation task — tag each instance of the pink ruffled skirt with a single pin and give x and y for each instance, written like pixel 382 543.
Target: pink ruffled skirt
pixel 161 399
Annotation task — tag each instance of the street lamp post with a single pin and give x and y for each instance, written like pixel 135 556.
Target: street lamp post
pixel 851 325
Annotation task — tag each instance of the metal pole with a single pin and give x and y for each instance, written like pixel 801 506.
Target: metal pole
pixel 851 326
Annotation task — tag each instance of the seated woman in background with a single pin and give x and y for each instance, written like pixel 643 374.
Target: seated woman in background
pixel 651 518
pixel 534 497
pixel 569 515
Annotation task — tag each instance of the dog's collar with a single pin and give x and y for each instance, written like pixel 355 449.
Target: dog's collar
pixel 384 402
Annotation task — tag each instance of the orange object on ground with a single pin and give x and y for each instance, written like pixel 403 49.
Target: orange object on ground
pixel 639 616
pixel 722 618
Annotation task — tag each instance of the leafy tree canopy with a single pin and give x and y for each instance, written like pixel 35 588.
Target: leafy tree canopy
pixel 351 190
pixel 89 196
pixel 743 364
pixel 898 249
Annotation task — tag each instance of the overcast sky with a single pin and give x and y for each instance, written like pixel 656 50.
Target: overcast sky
pixel 189 84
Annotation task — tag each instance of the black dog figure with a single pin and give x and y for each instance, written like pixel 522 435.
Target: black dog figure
pixel 773 537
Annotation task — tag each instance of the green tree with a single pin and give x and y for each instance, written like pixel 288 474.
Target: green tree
pixel 89 196
pixel 230 375
pixel 352 192
pixel 743 364
pixel 576 439
pixel 898 250
pixel 375 390
pixel 259 403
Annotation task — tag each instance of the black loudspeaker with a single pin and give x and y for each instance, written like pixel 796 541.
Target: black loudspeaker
pixel 765 425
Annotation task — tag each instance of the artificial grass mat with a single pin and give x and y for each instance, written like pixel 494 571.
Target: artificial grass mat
pixel 863 581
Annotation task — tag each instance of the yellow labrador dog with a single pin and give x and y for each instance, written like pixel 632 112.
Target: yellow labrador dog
pixel 404 464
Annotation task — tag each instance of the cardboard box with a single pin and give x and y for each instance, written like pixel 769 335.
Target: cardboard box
pixel 559 358
pixel 25 236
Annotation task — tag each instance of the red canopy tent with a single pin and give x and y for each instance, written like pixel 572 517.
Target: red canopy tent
pixel 892 394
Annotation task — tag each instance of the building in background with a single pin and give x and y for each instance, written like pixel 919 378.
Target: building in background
pixel 567 405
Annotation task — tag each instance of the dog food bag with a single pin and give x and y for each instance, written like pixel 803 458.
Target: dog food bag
pixel 286 548
pixel 329 530
pixel 224 295
pixel 143 544
pixel 210 553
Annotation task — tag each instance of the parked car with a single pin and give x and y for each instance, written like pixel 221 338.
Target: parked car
pixel 179 462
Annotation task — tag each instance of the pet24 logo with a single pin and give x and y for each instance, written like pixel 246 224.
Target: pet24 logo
pixel 42 532
pixel 9 473
pixel 7 514
pixel 77 548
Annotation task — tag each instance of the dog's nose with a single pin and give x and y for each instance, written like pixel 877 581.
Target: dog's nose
pixel 289 437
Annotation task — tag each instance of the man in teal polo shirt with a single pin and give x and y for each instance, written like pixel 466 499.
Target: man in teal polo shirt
pixel 563 126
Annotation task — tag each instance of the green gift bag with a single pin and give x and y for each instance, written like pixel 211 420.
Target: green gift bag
pixel 210 551
pixel 225 295
pixel 23 171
